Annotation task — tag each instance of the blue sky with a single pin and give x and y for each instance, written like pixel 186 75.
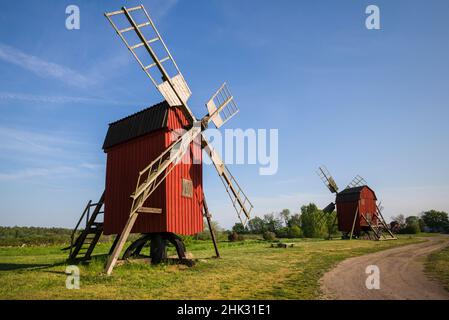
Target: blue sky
pixel 374 103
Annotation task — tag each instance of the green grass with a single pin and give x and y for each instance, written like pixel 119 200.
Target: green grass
pixel 437 266
pixel 247 270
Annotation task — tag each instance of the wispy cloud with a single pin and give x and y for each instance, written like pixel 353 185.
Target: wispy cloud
pixel 54 99
pixel 35 156
pixel 28 141
pixel 160 9
pixel 43 68
pixel 28 173
pixel 92 166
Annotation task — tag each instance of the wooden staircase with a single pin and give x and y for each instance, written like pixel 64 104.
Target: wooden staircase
pixel 380 229
pixel 82 247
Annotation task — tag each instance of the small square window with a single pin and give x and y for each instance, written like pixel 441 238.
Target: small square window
pixel 187 188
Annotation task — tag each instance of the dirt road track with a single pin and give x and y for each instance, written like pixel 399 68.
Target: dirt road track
pixel 401 275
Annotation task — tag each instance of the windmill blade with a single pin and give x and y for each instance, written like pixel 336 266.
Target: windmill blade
pixel 380 207
pixel 327 179
pixel 329 208
pixel 173 88
pixel 149 179
pixel 221 107
pixel 326 211
pixel 358 181
pixel 240 201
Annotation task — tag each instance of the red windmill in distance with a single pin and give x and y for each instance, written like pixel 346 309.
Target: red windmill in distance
pixel 358 213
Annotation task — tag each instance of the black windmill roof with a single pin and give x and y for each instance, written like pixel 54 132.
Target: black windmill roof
pixel 352 194
pixel 137 125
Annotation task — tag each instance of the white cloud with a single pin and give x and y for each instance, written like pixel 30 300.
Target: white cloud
pixel 6 96
pixel 28 173
pixel 160 9
pixel 92 166
pixel 37 155
pixel 33 142
pixel 50 99
pixel 43 68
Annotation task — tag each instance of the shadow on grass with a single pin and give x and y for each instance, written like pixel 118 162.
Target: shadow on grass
pixel 28 266
pixel 38 266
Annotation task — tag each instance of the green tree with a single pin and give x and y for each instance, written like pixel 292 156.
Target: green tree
pixel 272 223
pixel 422 224
pixel 294 232
pixel 239 228
pixel 311 224
pixel 400 219
pixel 256 225
pixel 285 216
pixel 437 221
pixel 295 220
pixel 411 225
pixel 282 232
pixel 331 223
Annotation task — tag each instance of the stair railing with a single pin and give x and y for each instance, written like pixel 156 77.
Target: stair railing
pixel 72 237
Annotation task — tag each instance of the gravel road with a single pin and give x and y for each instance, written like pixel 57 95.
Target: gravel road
pixel 401 273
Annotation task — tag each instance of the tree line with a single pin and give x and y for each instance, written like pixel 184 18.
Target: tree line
pixel 311 222
pixel 428 221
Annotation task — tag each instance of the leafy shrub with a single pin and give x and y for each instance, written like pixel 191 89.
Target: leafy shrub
pixel 294 232
pixel 234 236
pixel 282 232
pixel 411 226
pixel 269 236
pixel 311 223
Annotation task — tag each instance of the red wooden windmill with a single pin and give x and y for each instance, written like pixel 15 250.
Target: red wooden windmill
pixel 358 213
pixel 154 157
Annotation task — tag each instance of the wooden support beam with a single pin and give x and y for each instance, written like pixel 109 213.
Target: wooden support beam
pixel 376 233
pixel 149 210
pixel 382 220
pixel 353 223
pixel 121 242
pixel 209 223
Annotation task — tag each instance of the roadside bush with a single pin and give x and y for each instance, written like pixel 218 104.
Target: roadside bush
pixel 269 236
pixel 282 232
pixel 234 236
pixel 411 225
pixel 205 235
pixel 252 236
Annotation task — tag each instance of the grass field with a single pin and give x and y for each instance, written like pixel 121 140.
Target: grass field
pixel 437 267
pixel 247 270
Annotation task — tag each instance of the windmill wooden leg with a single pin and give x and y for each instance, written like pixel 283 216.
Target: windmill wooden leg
pixel 158 248
pixel 353 223
pixel 136 247
pixel 209 223
pixel 177 242
pixel 121 242
pixel 114 244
